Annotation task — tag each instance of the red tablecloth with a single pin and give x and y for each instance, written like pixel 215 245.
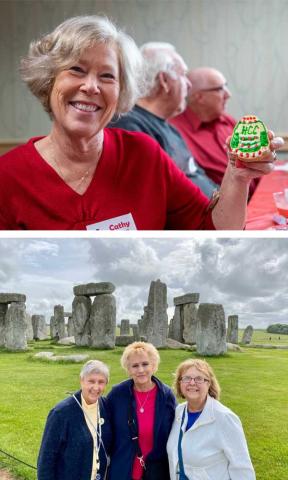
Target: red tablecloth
pixel 261 206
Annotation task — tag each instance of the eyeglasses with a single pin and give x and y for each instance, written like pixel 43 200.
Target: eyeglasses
pixel 188 379
pixel 221 88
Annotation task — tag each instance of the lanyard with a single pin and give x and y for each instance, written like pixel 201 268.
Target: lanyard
pixel 98 430
pixel 182 475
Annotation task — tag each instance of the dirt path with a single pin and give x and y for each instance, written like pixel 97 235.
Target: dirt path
pixel 4 475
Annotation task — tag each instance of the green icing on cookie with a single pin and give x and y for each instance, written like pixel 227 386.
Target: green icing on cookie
pixel 250 138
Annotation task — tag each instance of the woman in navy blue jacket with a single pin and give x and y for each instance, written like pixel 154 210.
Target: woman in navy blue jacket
pixel 77 438
pixel 142 412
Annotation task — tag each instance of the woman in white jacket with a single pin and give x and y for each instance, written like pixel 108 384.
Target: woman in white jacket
pixel 207 441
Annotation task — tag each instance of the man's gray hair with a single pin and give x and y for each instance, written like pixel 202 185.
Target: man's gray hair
pixel 57 50
pixel 158 57
pixel 95 366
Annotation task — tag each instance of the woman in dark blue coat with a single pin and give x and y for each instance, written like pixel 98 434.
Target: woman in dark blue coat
pixel 142 413
pixel 77 439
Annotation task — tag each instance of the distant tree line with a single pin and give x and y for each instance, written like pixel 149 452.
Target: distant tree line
pixel 278 328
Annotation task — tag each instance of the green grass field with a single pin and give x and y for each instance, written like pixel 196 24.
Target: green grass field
pixel 254 384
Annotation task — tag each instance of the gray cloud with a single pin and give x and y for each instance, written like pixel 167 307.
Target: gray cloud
pixel 247 276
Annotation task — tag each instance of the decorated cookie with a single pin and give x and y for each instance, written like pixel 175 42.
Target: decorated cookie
pixel 250 139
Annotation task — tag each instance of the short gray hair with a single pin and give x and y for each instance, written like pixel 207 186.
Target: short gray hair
pixel 57 50
pixel 158 57
pixel 95 366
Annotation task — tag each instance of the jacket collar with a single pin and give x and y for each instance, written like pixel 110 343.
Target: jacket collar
pixel 207 415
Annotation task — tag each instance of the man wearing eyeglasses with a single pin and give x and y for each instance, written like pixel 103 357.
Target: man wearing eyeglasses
pixel 204 124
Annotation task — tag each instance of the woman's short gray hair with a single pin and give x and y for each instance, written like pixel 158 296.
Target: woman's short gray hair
pixel 95 366
pixel 58 50
pixel 158 57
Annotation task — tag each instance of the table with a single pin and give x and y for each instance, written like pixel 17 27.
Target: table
pixel 261 206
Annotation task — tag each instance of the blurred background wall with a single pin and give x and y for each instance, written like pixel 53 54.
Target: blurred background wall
pixel 244 39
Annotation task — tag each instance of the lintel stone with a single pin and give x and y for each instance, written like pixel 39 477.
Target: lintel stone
pixel 91 289
pixel 187 298
pixel 12 297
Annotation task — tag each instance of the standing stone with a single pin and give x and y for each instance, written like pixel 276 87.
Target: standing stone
pixel 60 321
pixel 247 335
pixel 143 323
pixel 136 335
pixel 53 328
pixel 189 323
pixel 157 319
pixel 211 330
pixel 29 329
pixel 125 327
pixel 232 331
pixel 81 308
pixel 103 321
pixel 15 327
pixel 70 326
pixel 3 311
pixel 176 325
pixel 39 327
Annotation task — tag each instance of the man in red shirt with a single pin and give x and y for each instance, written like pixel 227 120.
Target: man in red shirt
pixel 204 124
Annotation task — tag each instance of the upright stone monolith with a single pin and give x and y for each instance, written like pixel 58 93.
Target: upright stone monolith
pixel 211 329
pixel 3 311
pixel 157 319
pixel 247 335
pixel 60 321
pixel 103 321
pixel 125 327
pixel 189 323
pixel 232 330
pixel 29 328
pixel 70 326
pixel 176 325
pixel 81 308
pixel 15 327
pixel 39 327
pixel 53 328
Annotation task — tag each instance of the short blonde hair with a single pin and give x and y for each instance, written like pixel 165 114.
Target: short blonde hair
pixel 140 347
pixel 203 367
pixel 57 50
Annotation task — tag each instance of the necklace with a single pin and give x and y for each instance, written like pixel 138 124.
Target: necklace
pixel 78 179
pixel 141 405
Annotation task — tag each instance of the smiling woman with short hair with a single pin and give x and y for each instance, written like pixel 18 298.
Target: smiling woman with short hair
pixel 207 438
pixel 77 437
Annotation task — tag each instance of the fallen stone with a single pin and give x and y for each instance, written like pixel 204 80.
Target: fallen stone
pixel 66 341
pixel 44 354
pixel 124 340
pixel 178 345
pixel 232 347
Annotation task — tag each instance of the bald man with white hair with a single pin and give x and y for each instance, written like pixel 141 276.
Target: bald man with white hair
pixel 204 124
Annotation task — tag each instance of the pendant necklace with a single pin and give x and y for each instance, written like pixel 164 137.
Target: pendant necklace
pixel 141 405
pixel 78 179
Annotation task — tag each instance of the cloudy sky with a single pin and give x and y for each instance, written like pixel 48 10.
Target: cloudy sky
pixel 247 276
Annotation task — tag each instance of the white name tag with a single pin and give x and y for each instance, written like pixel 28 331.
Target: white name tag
pixel 124 222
